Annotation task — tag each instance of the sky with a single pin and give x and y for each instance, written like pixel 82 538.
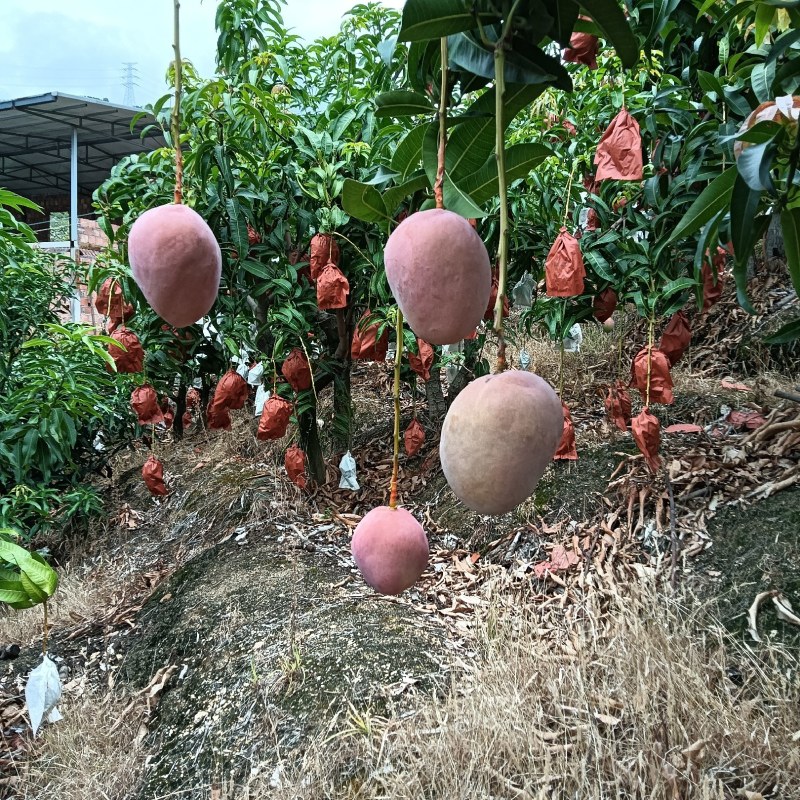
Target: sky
pixel 82 46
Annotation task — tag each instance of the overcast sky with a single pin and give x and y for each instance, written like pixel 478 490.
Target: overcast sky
pixel 81 46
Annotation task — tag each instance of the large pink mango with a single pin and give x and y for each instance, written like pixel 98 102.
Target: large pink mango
pixel 498 437
pixel 390 549
pixel 177 263
pixel 439 273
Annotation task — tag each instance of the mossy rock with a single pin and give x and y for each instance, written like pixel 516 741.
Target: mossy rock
pixel 268 645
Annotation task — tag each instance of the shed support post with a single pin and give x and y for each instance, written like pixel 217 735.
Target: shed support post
pixel 75 303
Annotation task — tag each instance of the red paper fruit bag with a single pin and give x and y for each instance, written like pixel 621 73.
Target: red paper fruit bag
pixel 153 475
pixel 646 430
pixel 422 363
pixel 676 337
pixel 564 269
pixel 413 438
pixel 332 288
pixel 297 371
pixel 619 152
pixel 295 463
pixel 660 379
pixel 274 418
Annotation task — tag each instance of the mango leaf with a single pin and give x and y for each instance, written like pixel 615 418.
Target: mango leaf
pixel 713 199
pixel 394 196
pixel 364 202
pixel 432 19
pixel 458 201
pixel 402 104
pixel 755 164
pixel 608 16
pixel 408 153
pixel 35 580
pixel 790 225
pixel 744 234
pixel 520 160
pixel 473 140
pixel 785 334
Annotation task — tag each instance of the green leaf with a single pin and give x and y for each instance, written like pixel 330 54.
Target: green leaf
pixel 394 196
pixel 744 234
pixel 432 19
pixel 364 202
pixel 402 104
pixel 764 16
pixel 458 201
pixel 408 154
pixel 785 334
pixel 790 225
pixel 473 140
pixel 482 185
pixel 256 268
pixel 711 201
pixel 755 164
pixel 761 79
pixel 614 27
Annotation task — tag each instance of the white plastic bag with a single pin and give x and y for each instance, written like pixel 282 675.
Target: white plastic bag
pixel 262 395
pixel 573 341
pixel 243 369
pixel 522 293
pixel 255 375
pixel 347 466
pixel 42 693
pixel 524 360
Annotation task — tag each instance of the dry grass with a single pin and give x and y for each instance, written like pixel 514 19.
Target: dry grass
pixel 636 705
pixel 81 593
pixel 78 759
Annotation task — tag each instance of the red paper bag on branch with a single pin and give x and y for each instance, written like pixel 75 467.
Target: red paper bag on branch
pixel 413 438
pixel 295 463
pixel 619 152
pixel 366 344
pixel 110 302
pixel 564 269
pixel 605 304
pixel 274 418
pixel 566 447
pixel 132 358
pixel 297 371
pixel 660 379
pixel 187 419
pixel 168 412
pixel 324 251
pixel 144 402
pixel 592 220
pixel 332 288
pixel 582 49
pixel 646 430
pixel 618 405
pixel 676 337
pixel 422 363
pixel 713 275
pixel 192 398
pixel 231 391
pixel 153 474
pixel 218 417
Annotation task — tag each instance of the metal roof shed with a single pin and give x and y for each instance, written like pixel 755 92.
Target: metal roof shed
pixel 62 144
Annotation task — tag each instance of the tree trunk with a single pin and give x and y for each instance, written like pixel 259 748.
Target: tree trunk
pixel 465 372
pixel 309 441
pixel 342 409
pixel 437 405
pixel 180 408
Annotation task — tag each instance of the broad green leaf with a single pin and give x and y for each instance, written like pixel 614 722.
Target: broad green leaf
pixel 608 16
pixel 364 202
pixel 764 16
pixel 755 164
pixel 256 268
pixel 394 196
pixel 402 104
pixel 785 334
pixel 408 154
pixel 520 160
pixel 473 140
pixel 711 201
pixel 458 201
pixel 744 233
pixel 432 19
pixel 790 225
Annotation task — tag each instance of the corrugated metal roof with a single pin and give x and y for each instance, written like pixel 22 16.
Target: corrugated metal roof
pixel 35 136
